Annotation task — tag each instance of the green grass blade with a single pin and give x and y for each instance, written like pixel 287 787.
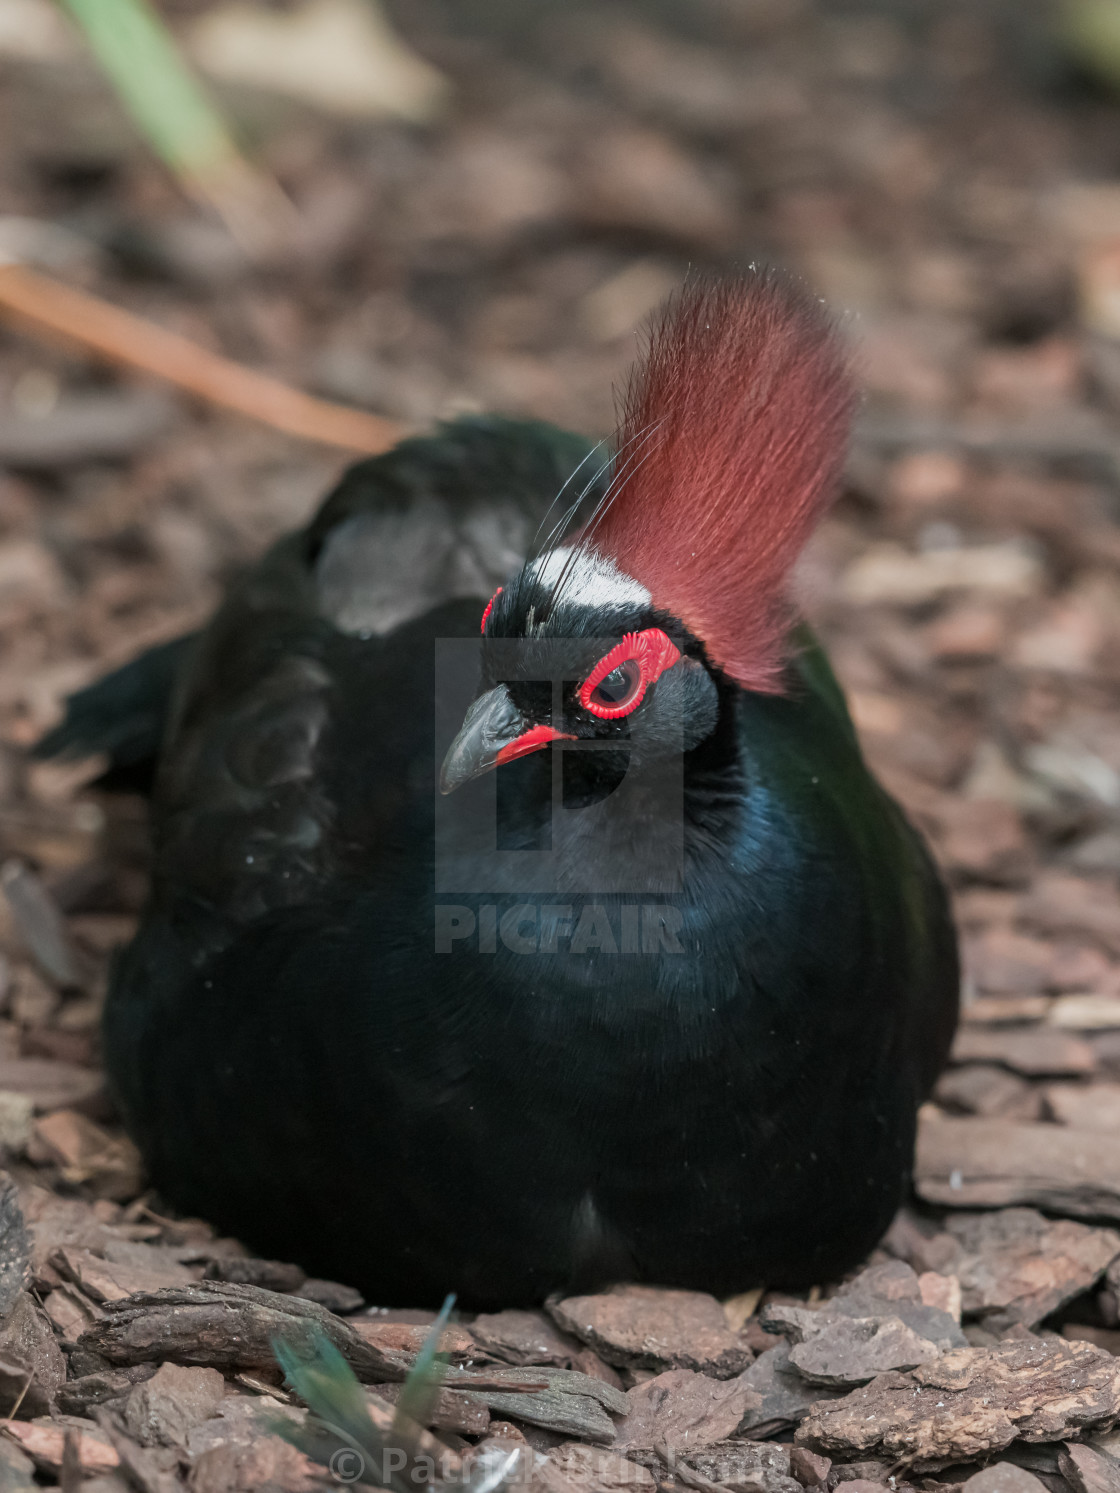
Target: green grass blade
pixel 421 1389
pixel 142 60
pixel 326 1384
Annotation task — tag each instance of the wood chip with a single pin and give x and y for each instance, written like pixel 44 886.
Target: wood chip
pixel 683 1408
pixel 44 1442
pixel 852 1350
pixel 574 1404
pixel 1017 1266
pixel 761 1466
pixel 331 1294
pixel 970 1403
pixel 523 1338
pixel 221 1325
pixel 165 1408
pixel 247 1270
pixel 1034 1052
pixel 408 1338
pixel 943 1292
pixel 1004 1477
pixel 603 1471
pixel 466 1415
pixel 15 1245
pixel 808 1467
pixel 79 1396
pixel 1089 1471
pixel 651 1328
pixel 32 1367
pixel 108 1280
pixel 1085 1013
pixel 49 1083
pixel 983 1089
pixel 964 1163
pixel 88 1155
pixel 781 1396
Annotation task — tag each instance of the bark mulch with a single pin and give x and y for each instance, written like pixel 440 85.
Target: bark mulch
pixel 940 169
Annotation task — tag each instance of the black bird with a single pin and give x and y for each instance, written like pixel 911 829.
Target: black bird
pixel 659 999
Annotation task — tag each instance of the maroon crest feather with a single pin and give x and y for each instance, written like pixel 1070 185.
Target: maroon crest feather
pixel 733 436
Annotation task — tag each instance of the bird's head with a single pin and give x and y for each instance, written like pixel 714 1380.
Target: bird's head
pixel 676 590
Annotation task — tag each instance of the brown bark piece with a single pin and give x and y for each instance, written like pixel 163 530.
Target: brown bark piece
pixel 930 1324
pixel 246 1270
pixel 237 1451
pixel 265 1463
pixel 1093 1107
pixel 1017 1266
pixel 32 1367
pixel 573 1404
pixel 80 1396
pixel 807 1467
pixel 1062 904
pixel 972 1402
pixel 88 1155
pixel 942 1292
pixel 781 1395
pixel 853 1350
pixel 600 1471
pixel 523 1338
pixel 44 1440
pixel 1034 1052
pixel 331 1294
pixel 465 1414
pixel 986 1090
pixel 1088 1470
pixel 759 1465
pixel 1004 1477
pixel 15 1245
pixel 682 1408
pixel 409 1338
pixel 648 1327
pixel 219 1325
pixel 145 1269
pixel 996 1163
pixel 161 1411
pixel 893 1280
pixel 48 1082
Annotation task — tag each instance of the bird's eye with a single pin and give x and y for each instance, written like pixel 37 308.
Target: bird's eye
pixel 617 690
pixel 618 682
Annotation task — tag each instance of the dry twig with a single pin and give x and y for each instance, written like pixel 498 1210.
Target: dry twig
pixel 44 304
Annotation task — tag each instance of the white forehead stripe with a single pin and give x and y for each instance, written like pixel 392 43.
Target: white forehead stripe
pixel 589 580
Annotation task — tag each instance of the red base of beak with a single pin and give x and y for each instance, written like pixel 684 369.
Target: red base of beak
pixel 530 741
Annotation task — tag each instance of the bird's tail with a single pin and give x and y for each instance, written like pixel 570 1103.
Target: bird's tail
pixel 122 716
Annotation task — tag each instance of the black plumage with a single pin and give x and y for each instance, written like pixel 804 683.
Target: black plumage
pixel 310 1057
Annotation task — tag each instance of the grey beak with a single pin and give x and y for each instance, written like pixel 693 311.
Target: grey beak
pixel 494 731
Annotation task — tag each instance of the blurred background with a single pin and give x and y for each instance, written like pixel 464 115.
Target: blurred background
pixel 450 205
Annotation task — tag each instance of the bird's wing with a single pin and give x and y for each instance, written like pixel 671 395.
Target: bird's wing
pixel 299 715
pixel 439 517
pixel 122 716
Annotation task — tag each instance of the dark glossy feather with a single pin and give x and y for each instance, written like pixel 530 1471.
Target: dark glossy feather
pixel 301 1063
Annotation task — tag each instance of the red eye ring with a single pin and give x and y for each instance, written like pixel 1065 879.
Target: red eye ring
pixel 653 652
pixel 490 607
